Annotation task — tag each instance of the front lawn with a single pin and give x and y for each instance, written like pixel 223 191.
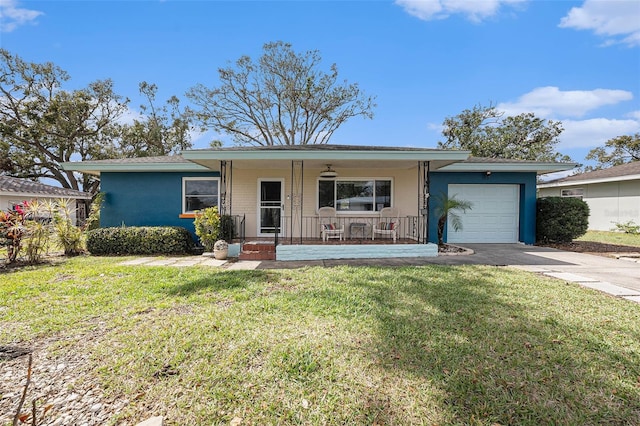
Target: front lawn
pixel 618 238
pixel 327 346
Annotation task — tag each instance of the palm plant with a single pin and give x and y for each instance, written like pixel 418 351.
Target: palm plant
pixel 448 208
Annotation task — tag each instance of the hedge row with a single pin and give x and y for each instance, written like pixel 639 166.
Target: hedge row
pixel 561 219
pixel 140 240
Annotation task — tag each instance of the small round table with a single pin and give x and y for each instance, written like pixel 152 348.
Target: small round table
pixel 357 227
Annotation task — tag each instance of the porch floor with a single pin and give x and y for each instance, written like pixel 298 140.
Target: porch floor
pixel 334 241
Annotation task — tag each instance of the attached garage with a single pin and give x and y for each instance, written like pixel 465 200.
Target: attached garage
pixel 494 217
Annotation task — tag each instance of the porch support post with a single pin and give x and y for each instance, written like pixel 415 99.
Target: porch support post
pixel 223 187
pixel 423 199
pixel 296 199
pixel 226 172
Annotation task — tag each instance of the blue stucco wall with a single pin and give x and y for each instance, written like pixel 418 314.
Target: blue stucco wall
pixel 144 199
pixel 527 182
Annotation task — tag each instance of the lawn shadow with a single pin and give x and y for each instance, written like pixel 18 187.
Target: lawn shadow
pixel 498 359
pixel 219 281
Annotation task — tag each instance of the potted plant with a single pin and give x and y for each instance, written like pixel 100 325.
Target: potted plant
pixel 220 250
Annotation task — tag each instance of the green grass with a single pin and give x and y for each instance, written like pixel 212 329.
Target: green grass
pixel 618 238
pixel 347 345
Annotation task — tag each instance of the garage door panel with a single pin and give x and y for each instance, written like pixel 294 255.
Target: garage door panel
pixel 494 217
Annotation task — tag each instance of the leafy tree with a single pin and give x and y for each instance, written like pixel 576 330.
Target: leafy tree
pixel 42 125
pixel 161 130
pixel 448 208
pixel 485 132
pixel 616 151
pixel 282 99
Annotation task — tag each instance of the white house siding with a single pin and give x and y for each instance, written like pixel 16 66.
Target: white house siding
pixel 8 201
pixel 609 203
pixel 244 191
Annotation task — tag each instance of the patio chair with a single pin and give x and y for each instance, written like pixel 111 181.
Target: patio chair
pixel 388 223
pixel 329 227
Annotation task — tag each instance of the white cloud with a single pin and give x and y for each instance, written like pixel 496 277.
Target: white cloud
pixel 612 18
pixel 475 10
pixel 595 132
pixel 634 114
pixel 551 101
pixel 12 16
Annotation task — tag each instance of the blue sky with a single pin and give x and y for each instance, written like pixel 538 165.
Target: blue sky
pixel 573 61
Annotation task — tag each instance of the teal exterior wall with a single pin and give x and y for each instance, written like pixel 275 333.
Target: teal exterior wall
pixel 438 183
pixel 145 199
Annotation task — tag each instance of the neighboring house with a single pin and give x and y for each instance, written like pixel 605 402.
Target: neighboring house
pixel 14 191
pixel 613 194
pixel 280 189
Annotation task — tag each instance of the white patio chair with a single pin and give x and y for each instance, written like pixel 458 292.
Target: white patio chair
pixel 329 226
pixel 388 223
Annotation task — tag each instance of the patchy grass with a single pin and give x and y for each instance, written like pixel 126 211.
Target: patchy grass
pixel 346 345
pixel 605 237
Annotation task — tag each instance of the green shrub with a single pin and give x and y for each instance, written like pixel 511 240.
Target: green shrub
pixel 629 227
pixel 140 240
pixel 68 235
pixel 207 225
pixel 561 219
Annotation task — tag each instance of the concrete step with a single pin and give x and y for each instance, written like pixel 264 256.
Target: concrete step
pixel 257 255
pixel 259 246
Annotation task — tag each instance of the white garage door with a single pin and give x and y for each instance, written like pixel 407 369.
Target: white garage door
pixel 494 217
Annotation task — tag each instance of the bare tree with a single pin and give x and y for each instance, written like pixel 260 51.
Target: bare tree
pixel 282 99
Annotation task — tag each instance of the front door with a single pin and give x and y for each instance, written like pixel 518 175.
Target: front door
pixel 270 206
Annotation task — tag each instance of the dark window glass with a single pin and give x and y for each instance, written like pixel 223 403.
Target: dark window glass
pixel 326 193
pixel 383 194
pixel 200 194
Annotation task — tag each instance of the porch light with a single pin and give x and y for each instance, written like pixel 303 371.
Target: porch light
pixel 329 172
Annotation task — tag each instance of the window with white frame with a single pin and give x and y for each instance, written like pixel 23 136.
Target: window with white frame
pixel 573 192
pixel 354 195
pixel 198 193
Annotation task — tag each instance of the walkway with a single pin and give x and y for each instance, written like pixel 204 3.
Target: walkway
pixel 618 277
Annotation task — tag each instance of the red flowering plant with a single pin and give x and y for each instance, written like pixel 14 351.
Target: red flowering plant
pixel 13 229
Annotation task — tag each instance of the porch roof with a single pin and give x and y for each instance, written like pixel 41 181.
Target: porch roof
pixel 486 164
pixel 352 156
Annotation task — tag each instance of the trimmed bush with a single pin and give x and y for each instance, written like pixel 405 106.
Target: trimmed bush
pixel 560 219
pixel 140 240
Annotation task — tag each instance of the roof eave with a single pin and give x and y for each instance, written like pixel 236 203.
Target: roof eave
pixel 26 194
pixel 539 168
pixel 589 181
pixel 96 169
pixel 325 155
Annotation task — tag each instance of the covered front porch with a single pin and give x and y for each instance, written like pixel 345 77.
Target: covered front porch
pixel 280 192
pixel 357 242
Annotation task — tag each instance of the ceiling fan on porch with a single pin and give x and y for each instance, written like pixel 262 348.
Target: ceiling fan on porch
pixel 329 172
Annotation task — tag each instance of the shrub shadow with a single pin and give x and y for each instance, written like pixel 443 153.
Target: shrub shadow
pixel 498 360
pixel 224 280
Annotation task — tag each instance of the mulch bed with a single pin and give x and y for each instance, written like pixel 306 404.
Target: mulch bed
pixel 592 247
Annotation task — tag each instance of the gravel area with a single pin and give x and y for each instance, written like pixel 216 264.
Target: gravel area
pixel 65 389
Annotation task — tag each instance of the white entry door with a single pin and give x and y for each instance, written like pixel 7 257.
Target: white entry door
pixel 270 206
pixel 494 217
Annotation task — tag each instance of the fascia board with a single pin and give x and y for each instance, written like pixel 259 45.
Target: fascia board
pixel 326 155
pixel 589 181
pixel 539 168
pixel 96 169
pixel 22 195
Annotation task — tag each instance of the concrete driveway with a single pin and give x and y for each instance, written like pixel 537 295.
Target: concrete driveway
pixel 619 272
